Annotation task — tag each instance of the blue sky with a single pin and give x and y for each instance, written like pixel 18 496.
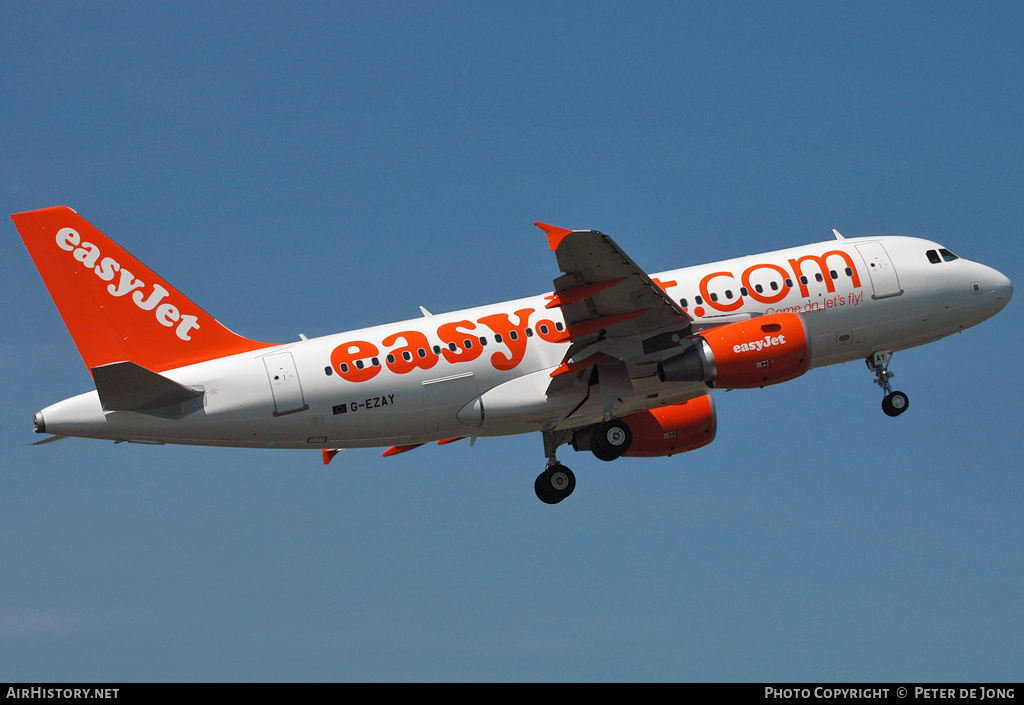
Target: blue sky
pixel 316 167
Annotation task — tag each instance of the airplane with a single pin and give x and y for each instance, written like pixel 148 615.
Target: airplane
pixel 613 360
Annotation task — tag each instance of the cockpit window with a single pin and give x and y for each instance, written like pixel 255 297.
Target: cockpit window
pixel 947 255
pixel 933 257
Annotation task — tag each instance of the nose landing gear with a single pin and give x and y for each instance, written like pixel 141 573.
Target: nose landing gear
pixel 893 403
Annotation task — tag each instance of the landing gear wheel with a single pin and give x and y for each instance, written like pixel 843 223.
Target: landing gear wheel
pixel 611 440
pixel 554 484
pixel 895 403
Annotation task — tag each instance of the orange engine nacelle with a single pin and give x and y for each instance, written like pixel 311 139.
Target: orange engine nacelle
pixel 755 353
pixel 668 430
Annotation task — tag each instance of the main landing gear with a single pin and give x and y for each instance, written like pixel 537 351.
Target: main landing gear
pixel 554 484
pixel 608 440
pixel 893 403
pixel 557 481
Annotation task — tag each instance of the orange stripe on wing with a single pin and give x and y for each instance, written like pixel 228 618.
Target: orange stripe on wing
pixel 568 367
pixel 395 450
pixel 571 296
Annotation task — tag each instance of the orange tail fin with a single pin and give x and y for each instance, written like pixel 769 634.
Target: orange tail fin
pixel 116 308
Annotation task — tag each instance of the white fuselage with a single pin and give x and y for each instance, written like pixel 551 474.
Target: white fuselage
pixel 485 371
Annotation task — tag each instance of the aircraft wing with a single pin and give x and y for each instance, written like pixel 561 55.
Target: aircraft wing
pixel 612 308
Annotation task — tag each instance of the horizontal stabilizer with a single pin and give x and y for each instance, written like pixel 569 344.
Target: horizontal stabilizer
pixel 51 439
pixel 125 386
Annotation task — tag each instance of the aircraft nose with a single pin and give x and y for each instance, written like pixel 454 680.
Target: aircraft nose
pixel 1004 287
pixel 1001 289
